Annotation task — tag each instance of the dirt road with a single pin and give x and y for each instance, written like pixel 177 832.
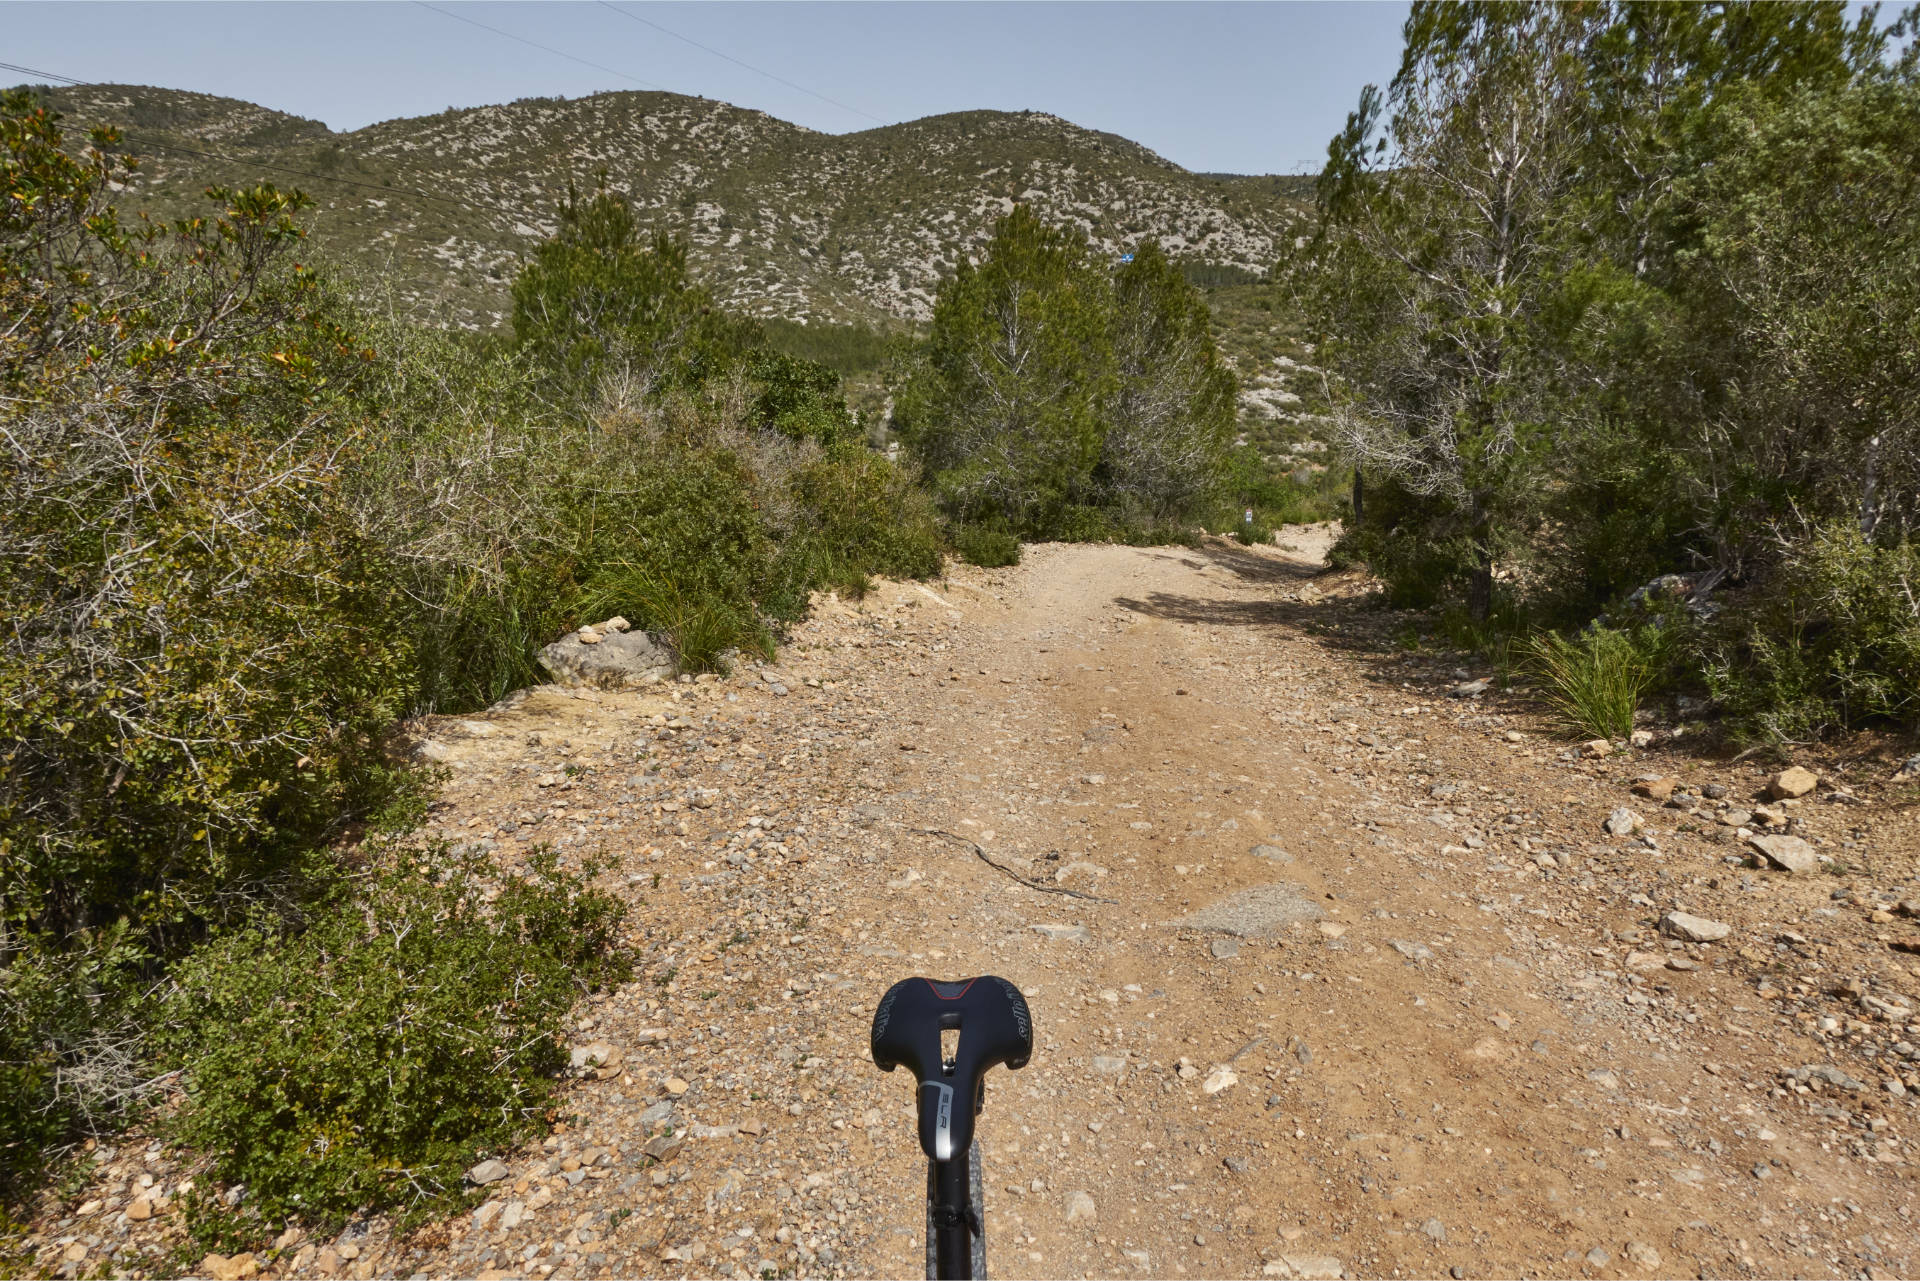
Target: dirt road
pixel 1352 982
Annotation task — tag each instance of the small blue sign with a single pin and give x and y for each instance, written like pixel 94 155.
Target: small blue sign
pixel 1126 257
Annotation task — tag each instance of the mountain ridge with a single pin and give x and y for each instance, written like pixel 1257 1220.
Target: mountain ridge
pixel 783 221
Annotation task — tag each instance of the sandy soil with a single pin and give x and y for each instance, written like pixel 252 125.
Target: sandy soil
pixel 1452 1037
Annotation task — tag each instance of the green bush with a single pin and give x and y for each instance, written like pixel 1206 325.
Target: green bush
pixel 986 547
pixel 365 1060
pixel 1594 681
pixel 1831 642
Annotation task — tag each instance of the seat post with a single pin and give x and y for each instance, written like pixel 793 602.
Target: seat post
pixel 952 1217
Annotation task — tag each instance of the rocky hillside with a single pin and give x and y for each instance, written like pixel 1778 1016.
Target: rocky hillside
pixel 785 221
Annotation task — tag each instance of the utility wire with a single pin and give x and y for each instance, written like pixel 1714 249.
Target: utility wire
pixel 30 71
pixel 516 214
pixel 625 13
pixel 558 53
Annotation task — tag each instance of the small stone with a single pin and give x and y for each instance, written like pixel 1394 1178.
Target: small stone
pixel 1080 1208
pixel 1435 1230
pixel 1791 783
pixel 664 1147
pixel 237 1268
pixel 598 1055
pixel 1109 1064
pixel 1237 1164
pixel 1271 852
pixel 1715 791
pixel 1787 852
pixel 588 636
pixel 1642 1255
pixel 613 625
pixel 1656 789
pixel 1065 933
pixel 1314 1267
pixel 1456 1272
pixel 141 1210
pixel 489 1171
pixel 1598 1258
pixel 1640 737
pixel 1224 949
pixel 1470 689
pixel 1185 1069
pixel 1909 768
pixel 1221 1078
pixel 1621 822
pixel 1595 749
pixel 1693 929
pixel 1413 951
pixel 674 1086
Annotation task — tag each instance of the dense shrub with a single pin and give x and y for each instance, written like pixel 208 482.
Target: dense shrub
pixel 1832 641
pixel 986 546
pixel 199 648
pixel 365 1059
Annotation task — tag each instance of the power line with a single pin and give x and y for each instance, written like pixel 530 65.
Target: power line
pixel 738 63
pixel 558 53
pixel 30 71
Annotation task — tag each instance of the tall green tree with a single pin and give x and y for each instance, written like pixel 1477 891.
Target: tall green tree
pixel 1171 414
pixel 601 306
pixel 1442 286
pixel 1004 406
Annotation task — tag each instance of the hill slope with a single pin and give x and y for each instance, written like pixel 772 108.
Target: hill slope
pixel 784 221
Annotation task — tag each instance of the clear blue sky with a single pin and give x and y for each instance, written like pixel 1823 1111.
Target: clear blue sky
pixel 1242 88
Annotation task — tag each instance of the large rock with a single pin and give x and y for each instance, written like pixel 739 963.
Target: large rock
pixel 1788 853
pixel 1694 929
pixel 1792 782
pixel 619 660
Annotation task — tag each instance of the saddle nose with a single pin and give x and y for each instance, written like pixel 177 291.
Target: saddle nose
pixel 993 1026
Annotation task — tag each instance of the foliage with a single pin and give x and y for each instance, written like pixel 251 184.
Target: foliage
pixel 1620 290
pixel 1005 412
pixel 986 546
pixel 1169 417
pixel 1832 643
pixel 1059 401
pixel 596 302
pixel 199 647
pixel 366 1060
pixel 249 528
pixel 1594 681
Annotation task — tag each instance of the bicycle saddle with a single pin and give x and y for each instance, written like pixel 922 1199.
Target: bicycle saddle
pixel 994 1026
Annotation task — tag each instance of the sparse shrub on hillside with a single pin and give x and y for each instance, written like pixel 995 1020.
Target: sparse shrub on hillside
pixel 364 1060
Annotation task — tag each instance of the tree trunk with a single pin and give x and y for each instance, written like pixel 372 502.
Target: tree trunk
pixel 1359 499
pixel 1480 576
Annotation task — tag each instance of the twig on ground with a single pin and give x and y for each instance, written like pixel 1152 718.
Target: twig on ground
pixel 986 858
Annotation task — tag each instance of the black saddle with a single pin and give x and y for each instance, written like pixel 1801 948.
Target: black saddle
pixel 994 1026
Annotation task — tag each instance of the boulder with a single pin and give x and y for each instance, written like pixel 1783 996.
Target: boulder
pixel 619 660
pixel 1694 929
pixel 1792 782
pixel 1788 853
